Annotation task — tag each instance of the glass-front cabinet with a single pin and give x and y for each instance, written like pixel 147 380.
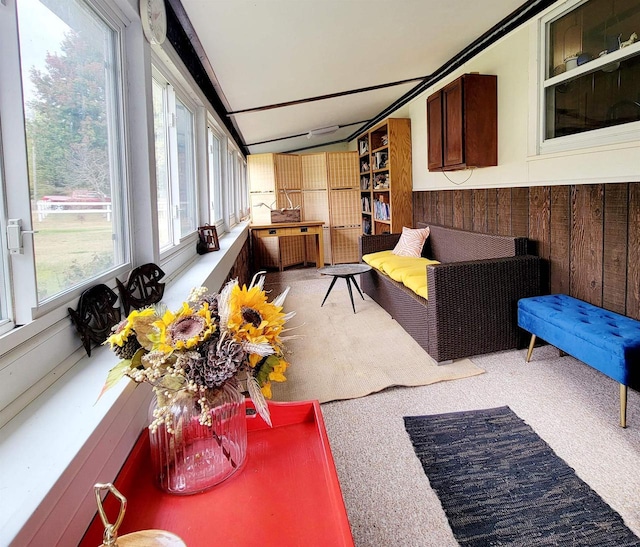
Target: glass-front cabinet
pixel 592 69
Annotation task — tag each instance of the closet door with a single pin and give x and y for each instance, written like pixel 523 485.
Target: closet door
pixel 288 169
pixel 316 199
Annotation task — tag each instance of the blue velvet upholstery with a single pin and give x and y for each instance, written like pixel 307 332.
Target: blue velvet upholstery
pixel 607 341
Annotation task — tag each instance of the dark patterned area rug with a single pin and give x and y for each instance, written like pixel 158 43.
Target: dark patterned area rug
pixel 501 484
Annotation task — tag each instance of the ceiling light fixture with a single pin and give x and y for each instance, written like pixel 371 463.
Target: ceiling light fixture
pixel 322 131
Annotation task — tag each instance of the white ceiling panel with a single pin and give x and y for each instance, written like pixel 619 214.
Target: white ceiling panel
pixel 303 143
pixel 269 52
pixel 292 120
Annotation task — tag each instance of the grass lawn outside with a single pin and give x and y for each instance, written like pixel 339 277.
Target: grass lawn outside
pixel 69 248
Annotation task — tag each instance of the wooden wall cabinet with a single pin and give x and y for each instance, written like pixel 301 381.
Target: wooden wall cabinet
pixel 462 124
pixel 386 184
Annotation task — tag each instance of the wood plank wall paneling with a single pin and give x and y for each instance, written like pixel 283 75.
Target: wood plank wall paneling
pixel 588 235
pixel 539 216
pixel 440 205
pixel 433 208
pixel 560 231
pixel 467 211
pixel 458 209
pixel 448 208
pixel 539 224
pixel 614 274
pixel 241 269
pixel 419 205
pixel 480 211
pixel 586 242
pixel 503 222
pixel 492 211
pixel 633 253
pixel 520 212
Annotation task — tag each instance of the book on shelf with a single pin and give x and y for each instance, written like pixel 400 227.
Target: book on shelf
pixel 380 160
pixel 381 181
pixel 366 225
pixel 382 209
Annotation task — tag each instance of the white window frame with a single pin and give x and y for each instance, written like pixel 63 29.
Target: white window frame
pixel 215 172
pixel 46 345
pixel 44 370
pixel 232 199
pixel 244 187
pixel 26 307
pixel 6 296
pixel 237 184
pixel 597 137
pixel 166 76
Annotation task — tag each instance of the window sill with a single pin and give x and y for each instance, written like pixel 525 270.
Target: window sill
pixel 65 441
pixel 618 136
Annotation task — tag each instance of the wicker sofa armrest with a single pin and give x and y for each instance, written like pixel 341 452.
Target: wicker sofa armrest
pixel 375 243
pixel 472 307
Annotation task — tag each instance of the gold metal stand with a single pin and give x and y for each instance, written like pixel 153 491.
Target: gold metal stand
pixel 533 341
pixel 623 405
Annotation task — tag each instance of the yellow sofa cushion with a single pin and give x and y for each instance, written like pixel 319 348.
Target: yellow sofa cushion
pixel 418 284
pixel 375 260
pixel 408 270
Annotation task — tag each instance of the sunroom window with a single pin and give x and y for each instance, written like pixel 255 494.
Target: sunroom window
pixel 215 175
pixel 71 85
pixel 592 68
pixel 5 290
pixel 174 124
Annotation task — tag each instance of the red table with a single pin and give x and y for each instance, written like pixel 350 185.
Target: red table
pixel 286 494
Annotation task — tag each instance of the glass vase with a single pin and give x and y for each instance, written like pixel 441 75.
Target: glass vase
pixel 189 457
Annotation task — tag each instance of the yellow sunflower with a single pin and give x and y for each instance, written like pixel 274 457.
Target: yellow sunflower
pixel 266 390
pixel 184 330
pixel 277 374
pixel 126 327
pixel 253 318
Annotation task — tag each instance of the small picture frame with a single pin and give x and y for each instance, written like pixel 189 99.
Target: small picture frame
pixel 208 239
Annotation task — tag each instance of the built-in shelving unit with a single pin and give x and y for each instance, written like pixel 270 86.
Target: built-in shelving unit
pixel 385 177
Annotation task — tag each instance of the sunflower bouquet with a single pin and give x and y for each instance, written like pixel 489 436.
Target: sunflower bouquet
pixel 234 335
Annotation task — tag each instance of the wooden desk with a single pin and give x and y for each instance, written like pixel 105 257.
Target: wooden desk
pixel 284 229
pixel 286 494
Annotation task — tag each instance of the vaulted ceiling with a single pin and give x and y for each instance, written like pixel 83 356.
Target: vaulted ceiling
pixel 283 68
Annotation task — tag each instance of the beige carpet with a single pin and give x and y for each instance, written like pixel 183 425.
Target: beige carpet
pixel 341 355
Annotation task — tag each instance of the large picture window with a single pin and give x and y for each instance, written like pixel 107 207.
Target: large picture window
pixel 70 69
pixel 74 129
pixel 592 68
pixel 66 158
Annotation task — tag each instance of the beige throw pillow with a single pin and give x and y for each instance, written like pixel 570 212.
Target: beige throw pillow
pixel 411 241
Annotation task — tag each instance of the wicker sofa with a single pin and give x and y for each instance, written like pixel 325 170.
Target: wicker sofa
pixel 472 294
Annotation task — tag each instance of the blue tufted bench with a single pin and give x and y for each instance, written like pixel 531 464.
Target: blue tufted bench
pixel 607 341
